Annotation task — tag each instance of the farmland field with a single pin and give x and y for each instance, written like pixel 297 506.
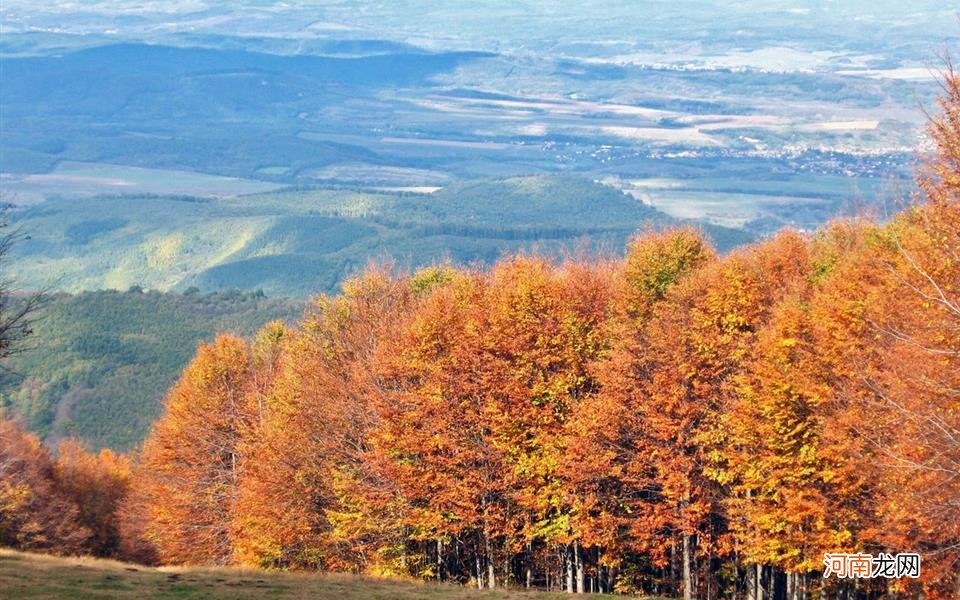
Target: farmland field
pixel 77 179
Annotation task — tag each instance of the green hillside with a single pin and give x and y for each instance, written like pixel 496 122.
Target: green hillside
pixel 42 577
pixel 298 242
pixel 99 362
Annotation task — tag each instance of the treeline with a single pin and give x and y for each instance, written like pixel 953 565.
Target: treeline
pixel 675 423
pixel 68 504
pixel 672 423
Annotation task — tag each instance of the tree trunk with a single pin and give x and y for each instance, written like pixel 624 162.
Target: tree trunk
pixel 568 565
pixel 687 578
pixel 439 560
pixel 479 571
pixel 759 581
pixel 491 569
pixel 601 586
pixel 529 565
pixel 578 565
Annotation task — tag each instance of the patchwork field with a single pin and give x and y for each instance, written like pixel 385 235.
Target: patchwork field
pixel 79 179
pixel 765 206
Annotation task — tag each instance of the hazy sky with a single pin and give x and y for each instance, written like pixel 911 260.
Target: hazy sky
pixel 900 39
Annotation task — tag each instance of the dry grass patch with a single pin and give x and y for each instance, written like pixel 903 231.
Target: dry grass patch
pixel 41 577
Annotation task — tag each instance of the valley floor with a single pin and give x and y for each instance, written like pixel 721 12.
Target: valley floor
pixel 40 577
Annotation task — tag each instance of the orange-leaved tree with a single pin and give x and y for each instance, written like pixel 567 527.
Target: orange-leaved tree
pixel 695 345
pixel 297 507
pixel 35 514
pixel 97 483
pixel 187 478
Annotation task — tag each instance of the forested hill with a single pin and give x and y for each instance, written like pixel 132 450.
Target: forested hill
pixel 302 241
pixel 99 363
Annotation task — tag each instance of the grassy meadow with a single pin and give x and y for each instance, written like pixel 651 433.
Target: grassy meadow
pixel 42 577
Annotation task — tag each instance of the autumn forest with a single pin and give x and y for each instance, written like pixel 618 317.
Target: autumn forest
pixel 672 423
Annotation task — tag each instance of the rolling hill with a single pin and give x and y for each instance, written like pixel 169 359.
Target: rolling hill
pixel 302 241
